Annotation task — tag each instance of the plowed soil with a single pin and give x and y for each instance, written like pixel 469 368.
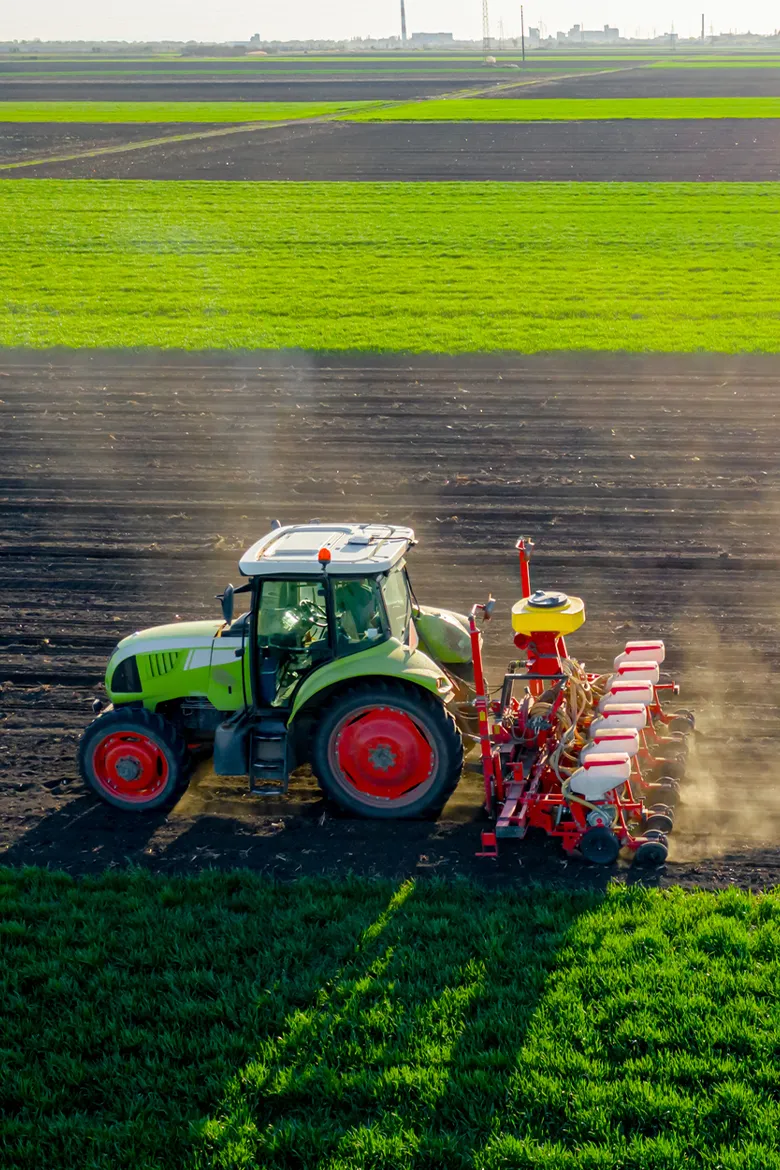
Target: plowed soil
pixel 30 140
pixel 326 89
pixel 416 63
pixel 130 483
pixel 622 151
pixel 650 82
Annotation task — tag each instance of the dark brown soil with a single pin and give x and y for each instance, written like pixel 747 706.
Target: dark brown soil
pixel 626 151
pixel 19 141
pixel 130 483
pixel 325 89
pixel 456 65
pixel 655 83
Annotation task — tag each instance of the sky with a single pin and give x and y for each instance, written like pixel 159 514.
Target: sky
pixel 335 19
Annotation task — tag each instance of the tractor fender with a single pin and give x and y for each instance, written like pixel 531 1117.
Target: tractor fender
pixel 389 660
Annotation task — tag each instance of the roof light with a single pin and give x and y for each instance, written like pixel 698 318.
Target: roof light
pixel 323 556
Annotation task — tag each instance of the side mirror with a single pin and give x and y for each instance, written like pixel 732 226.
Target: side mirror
pixel 227 603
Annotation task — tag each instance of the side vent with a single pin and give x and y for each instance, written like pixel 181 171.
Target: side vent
pixel 163 662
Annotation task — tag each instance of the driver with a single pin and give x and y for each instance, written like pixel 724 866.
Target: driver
pixel 358 608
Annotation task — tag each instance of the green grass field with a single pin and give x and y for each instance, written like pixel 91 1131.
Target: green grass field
pixel 170 111
pixel 447 267
pixel 222 1022
pixel 567 109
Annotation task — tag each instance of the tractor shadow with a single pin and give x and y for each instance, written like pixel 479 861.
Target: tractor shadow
pixel 287 840
pixel 84 836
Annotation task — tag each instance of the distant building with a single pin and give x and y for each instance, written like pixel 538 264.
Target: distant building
pixel 577 35
pixel 423 40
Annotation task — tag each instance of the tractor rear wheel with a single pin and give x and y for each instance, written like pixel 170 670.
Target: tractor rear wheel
pixel 133 759
pixel 384 750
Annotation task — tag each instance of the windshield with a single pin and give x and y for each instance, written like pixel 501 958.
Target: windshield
pixel 395 589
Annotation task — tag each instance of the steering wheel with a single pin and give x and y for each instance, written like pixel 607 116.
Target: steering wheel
pixel 316 615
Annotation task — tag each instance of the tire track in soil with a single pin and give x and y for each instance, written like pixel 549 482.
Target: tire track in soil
pixel 130 484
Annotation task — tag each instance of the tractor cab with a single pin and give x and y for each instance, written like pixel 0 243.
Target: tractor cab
pixel 320 594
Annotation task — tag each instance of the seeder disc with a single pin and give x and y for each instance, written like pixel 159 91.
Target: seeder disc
pixel 600 846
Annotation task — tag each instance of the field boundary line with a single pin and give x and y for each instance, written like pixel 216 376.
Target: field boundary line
pixel 501 86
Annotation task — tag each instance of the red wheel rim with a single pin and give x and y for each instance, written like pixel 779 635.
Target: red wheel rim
pixel 383 754
pixel 130 765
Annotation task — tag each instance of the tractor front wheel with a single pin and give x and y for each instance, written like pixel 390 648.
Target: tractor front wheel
pixel 384 750
pixel 133 759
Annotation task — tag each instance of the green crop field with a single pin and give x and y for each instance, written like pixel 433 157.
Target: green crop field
pixel 224 1022
pixel 567 109
pixel 729 63
pixel 170 111
pixel 447 267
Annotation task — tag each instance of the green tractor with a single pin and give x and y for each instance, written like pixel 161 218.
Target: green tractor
pixel 334 664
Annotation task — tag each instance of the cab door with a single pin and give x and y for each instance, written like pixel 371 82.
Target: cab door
pixel 291 636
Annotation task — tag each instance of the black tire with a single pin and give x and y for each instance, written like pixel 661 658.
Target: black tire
pixel 661 817
pixel 667 790
pixel 599 846
pixel 125 740
pixel 672 770
pixel 682 722
pixel 660 821
pixel 410 707
pixel 652 852
pixel 674 748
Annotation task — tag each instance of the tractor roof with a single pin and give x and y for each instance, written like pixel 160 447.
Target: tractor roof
pixel 354 548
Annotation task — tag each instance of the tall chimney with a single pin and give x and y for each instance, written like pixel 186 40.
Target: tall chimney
pixel 403 23
pixel 702 26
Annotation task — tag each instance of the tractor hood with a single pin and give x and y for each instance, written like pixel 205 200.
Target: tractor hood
pixel 171 662
pixel 176 635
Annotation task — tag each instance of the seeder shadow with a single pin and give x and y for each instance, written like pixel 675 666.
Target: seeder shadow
pixel 405 1059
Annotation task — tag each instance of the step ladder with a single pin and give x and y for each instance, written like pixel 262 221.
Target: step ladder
pixel 268 764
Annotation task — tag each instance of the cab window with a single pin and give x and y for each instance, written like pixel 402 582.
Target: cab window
pixel 395 588
pixel 360 620
pixel 292 614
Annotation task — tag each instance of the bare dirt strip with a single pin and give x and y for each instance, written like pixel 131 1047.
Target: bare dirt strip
pixel 703 150
pixel 649 82
pixel 130 483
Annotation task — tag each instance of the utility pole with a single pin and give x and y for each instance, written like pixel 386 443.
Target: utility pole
pixel 501 33
pixel 702 27
pixel 485 27
pixel 522 32
pixel 403 23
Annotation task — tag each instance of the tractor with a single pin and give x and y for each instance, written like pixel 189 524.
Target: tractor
pixel 335 664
